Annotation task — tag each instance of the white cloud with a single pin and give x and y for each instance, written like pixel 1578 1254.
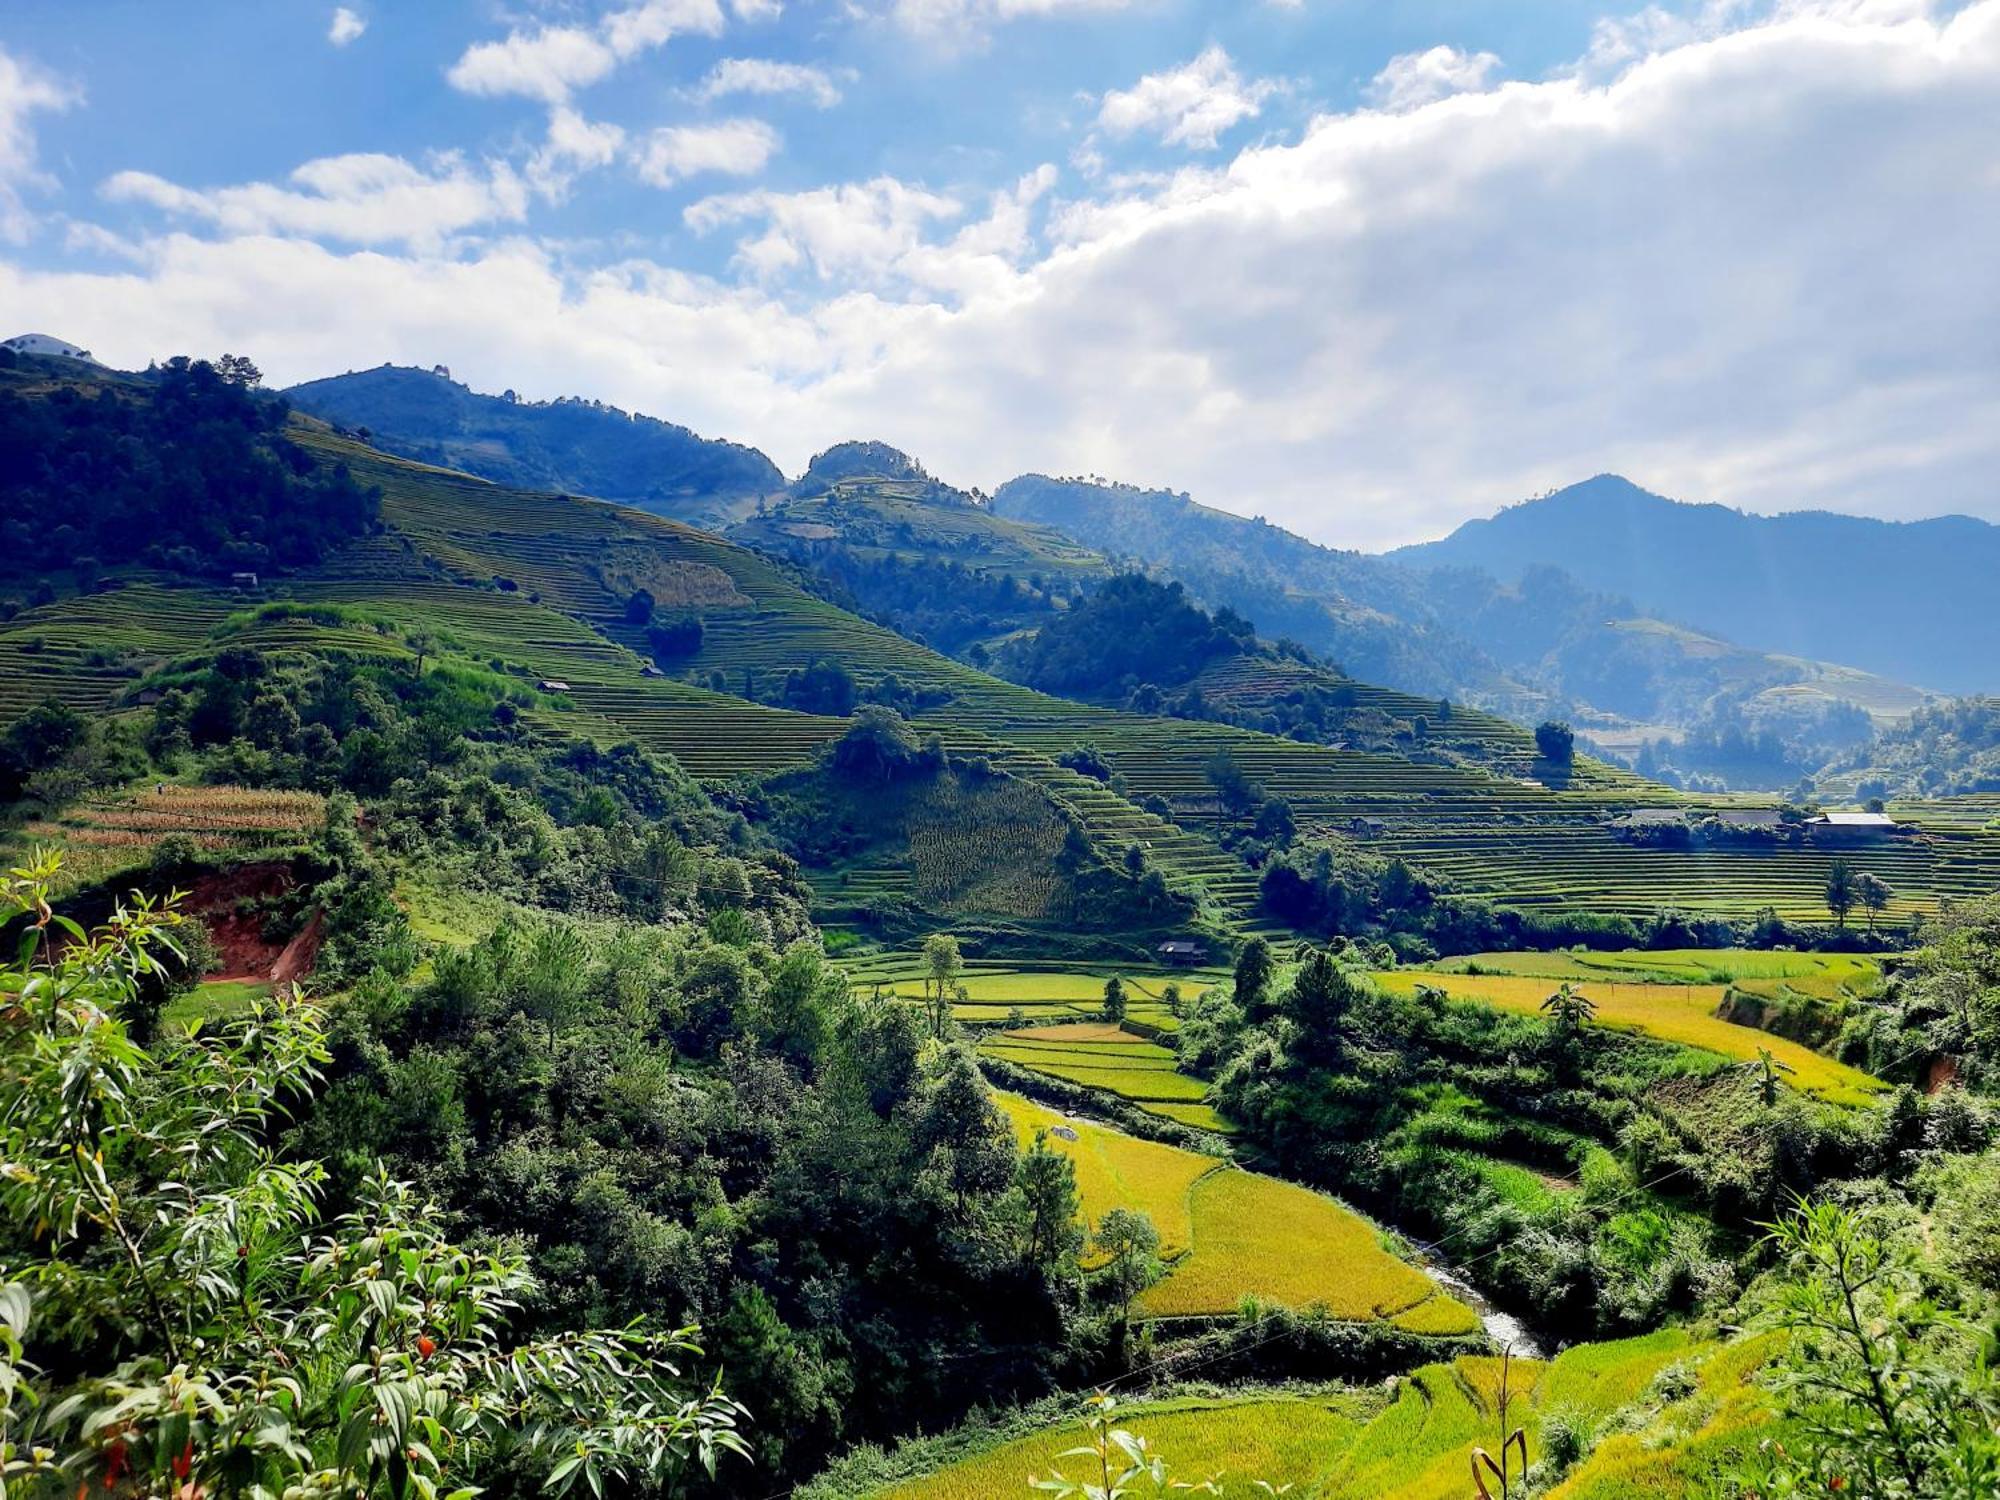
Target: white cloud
pixel 855 231
pixel 551 62
pixel 347 26
pixel 362 199
pixel 1418 78
pixel 1190 105
pixel 756 75
pixel 1753 267
pixel 573 145
pixel 24 91
pixel 757 10
pixel 733 148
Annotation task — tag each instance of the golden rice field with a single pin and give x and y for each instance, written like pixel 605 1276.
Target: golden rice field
pixel 1416 1443
pixel 1095 1054
pixel 1257 1236
pixel 1681 966
pixel 1681 1013
pixel 1232 1234
pixel 1115 1170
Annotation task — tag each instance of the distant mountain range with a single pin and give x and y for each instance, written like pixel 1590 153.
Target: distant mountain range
pixel 1638 617
pixel 1908 599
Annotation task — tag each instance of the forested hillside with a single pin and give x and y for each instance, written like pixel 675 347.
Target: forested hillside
pixel 583 446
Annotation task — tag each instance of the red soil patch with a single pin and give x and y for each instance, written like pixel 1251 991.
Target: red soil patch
pixel 242 950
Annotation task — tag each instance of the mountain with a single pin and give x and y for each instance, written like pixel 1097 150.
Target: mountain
pixel 919 555
pixel 46 344
pixel 583 446
pixel 1378 620
pixel 1905 599
pixel 1545 642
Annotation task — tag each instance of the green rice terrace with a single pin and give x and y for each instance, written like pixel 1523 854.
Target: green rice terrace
pixel 539 582
pixel 1677 1405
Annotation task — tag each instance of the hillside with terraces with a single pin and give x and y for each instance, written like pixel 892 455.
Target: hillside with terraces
pixel 542 582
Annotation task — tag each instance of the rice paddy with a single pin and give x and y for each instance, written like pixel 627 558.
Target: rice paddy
pixel 1261 1237
pixel 1115 1170
pixel 1416 1444
pixel 1679 1013
pixel 1229 1234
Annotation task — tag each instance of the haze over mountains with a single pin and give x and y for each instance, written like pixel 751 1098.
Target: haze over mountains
pixel 1910 599
pixel 1639 616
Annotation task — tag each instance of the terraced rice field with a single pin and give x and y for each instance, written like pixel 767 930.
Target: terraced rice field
pixel 1101 1056
pixel 1115 1170
pixel 1681 1013
pixel 109 833
pixel 995 991
pixel 1416 1444
pixel 1681 966
pixel 1257 1236
pixel 539 583
pixel 1231 1234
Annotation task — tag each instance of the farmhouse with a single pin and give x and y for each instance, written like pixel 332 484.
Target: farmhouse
pixel 243 580
pixel 552 685
pixel 1853 826
pixel 1181 951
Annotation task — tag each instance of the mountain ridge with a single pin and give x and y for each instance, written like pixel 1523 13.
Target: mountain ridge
pixel 1777 580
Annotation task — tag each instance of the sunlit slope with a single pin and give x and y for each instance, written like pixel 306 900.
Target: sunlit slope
pixel 542 582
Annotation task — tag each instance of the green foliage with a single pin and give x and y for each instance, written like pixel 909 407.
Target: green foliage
pixel 187 471
pixel 1889 1393
pixel 1132 630
pixel 175 1319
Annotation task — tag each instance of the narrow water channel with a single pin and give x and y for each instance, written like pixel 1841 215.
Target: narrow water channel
pixel 1506 1330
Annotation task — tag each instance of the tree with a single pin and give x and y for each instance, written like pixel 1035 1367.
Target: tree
pixel 1569 1010
pixel 555 977
pixel 943 963
pixel 1320 997
pixel 877 746
pixel 1045 1179
pixel 180 1323
pixel 639 608
pixel 1131 1247
pixel 1114 1000
pixel 1874 893
pixel 1882 1389
pixel 1841 892
pixel 1556 741
pixel 1254 967
pixel 237 369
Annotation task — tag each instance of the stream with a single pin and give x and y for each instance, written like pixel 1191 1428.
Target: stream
pixel 1506 1330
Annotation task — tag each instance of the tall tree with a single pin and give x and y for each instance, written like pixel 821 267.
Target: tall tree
pixel 1114 1000
pixel 1254 968
pixel 1874 894
pixel 1046 1180
pixel 943 963
pixel 1841 891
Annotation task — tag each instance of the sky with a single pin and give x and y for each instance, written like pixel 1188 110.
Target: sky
pixel 1366 269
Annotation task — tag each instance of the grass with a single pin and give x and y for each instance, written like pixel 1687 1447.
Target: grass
pixel 1115 1170
pixel 1332 1446
pixel 1680 1013
pixel 216 1000
pixel 1257 1236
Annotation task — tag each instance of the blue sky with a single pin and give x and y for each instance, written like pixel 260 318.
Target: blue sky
pixel 1366 268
